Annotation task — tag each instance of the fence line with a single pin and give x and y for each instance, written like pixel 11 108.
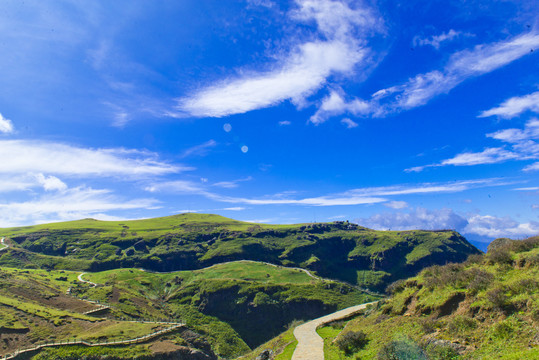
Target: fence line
pixel 105 343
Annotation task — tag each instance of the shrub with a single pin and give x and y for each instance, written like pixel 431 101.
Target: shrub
pixel 475 259
pixel 337 324
pixel 352 341
pixel 479 280
pixel 396 287
pixel 525 245
pixel 498 298
pixel 461 324
pixel 442 352
pixel 526 285
pixel 500 256
pixel 505 329
pixel 404 349
pixel 429 325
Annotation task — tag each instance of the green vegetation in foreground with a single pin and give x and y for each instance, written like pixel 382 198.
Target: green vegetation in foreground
pixel 282 346
pixel 339 250
pixel 487 307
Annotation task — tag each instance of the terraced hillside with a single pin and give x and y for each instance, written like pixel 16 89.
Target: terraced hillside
pixel 227 309
pixel 339 250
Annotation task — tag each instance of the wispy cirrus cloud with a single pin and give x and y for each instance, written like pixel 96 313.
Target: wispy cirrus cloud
pixel 360 196
pixel 6 126
pixel 514 106
pixel 420 89
pixel 233 183
pixel 522 142
pixel 199 150
pixel 27 156
pixel 436 40
pixel 337 49
pixel 461 66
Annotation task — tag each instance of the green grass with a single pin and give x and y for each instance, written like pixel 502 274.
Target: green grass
pixel 283 346
pixel 490 303
pixel 231 305
pixel 342 251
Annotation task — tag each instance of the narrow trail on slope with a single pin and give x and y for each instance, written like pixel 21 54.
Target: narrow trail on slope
pixel 310 344
pixel 5 246
pixel 85 281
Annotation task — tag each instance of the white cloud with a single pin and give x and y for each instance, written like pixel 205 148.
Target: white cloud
pixel 70 204
pixel 263 3
pixel 531 188
pixel 436 40
pixel 199 150
pixel 234 208
pixel 335 104
pixel 418 218
pixel 426 188
pixel 24 156
pixel 482 225
pixel 523 147
pixel 487 156
pixel 515 106
pixel 494 227
pixel 350 124
pixel 232 184
pixel 284 123
pixel 532 167
pixel 359 196
pixel 397 205
pixel 51 183
pixel 6 126
pixel 29 181
pixel 531 131
pixel 302 72
pixel 461 65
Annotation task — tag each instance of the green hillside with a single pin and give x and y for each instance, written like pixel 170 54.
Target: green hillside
pixel 339 250
pixel 485 308
pixel 227 308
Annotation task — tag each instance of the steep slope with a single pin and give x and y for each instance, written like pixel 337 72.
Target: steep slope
pixel 340 250
pixel 487 307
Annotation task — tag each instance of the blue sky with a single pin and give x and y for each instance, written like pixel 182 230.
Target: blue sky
pixel 394 115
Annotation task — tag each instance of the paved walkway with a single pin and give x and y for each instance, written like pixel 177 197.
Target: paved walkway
pixel 310 344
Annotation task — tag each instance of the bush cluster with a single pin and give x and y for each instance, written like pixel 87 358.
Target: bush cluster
pixel 404 349
pixel 473 279
pixel 352 341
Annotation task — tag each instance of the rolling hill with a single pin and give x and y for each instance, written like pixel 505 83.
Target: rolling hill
pixel 340 250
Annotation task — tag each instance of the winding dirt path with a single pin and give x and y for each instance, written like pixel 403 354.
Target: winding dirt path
pixel 5 246
pixel 85 281
pixel 310 344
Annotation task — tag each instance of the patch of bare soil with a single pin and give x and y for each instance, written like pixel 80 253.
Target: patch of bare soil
pixel 164 346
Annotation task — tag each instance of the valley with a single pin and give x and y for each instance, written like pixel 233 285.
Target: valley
pixel 208 287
